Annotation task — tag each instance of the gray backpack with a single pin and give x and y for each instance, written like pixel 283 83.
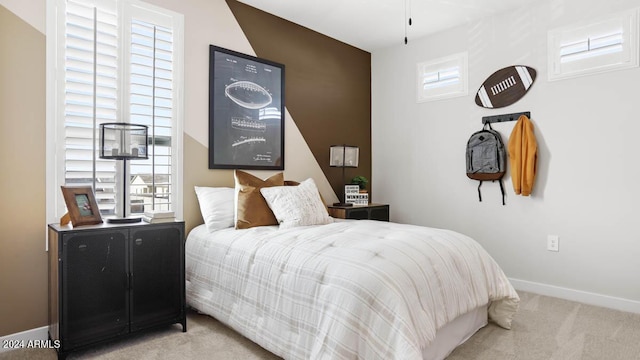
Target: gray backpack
pixel 486 157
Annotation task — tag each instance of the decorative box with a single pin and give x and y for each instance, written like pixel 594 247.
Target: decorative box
pixel 352 195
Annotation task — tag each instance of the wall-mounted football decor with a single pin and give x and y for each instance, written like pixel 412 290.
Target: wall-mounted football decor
pixel 505 86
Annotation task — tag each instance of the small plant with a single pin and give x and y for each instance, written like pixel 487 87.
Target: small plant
pixel 361 181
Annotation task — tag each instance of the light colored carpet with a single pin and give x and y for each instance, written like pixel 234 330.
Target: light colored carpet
pixel 545 328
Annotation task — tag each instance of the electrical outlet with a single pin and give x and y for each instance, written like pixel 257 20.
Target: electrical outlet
pixel 553 243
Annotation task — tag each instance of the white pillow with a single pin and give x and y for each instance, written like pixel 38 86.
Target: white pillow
pixel 297 205
pixel 216 206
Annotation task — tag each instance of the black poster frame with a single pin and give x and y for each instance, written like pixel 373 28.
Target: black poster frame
pixel 246 111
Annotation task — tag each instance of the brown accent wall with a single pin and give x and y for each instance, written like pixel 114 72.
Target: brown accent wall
pixel 327 85
pixel 23 260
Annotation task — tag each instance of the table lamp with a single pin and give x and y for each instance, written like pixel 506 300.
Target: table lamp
pixel 123 141
pixel 343 156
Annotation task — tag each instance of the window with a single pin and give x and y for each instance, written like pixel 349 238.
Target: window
pixel 442 78
pixel 606 44
pixel 117 61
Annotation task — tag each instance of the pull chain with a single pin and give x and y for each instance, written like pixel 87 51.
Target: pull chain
pixel 407 22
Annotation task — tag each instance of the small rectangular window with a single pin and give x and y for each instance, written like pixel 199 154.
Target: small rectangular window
pixel 442 78
pixel 605 44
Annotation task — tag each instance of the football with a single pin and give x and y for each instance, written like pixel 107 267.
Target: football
pixel 248 94
pixel 505 86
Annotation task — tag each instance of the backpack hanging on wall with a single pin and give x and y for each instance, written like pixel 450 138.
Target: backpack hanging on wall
pixel 486 157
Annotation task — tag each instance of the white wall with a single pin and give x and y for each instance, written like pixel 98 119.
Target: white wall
pixel 31 11
pixel 588 169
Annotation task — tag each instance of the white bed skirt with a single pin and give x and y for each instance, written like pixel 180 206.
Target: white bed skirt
pixel 455 333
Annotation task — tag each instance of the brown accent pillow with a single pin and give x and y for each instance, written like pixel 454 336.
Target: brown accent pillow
pixel 251 208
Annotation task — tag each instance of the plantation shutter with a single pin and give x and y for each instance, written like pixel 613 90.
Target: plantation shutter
pixel 152 104
pixel 91 77
pixel 591 46
pixel 119 66
pixel 441 77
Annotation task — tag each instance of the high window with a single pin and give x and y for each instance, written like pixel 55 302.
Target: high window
pixel 442 78
pixel 606 44
pixel 117 61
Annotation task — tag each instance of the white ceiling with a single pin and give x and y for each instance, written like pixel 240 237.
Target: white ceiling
pixel 374 24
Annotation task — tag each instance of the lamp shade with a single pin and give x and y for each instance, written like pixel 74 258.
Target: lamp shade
pixel 344 156
pixel 123 141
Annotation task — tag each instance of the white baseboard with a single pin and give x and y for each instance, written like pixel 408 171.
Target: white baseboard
pixel 577 295
pixel 40 333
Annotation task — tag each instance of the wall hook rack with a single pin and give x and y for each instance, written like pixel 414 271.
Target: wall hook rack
pixel 504 117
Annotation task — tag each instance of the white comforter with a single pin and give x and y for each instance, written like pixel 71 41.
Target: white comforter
pixel 350 289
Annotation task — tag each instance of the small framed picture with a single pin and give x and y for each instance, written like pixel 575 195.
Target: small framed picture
pixel 81 206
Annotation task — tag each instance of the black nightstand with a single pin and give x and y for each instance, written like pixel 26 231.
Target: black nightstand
pixel 108 281
pixel 361 212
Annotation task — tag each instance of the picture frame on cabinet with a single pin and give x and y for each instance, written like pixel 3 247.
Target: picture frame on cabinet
pixel 82 208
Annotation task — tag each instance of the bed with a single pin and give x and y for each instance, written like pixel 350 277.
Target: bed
pixel 347 289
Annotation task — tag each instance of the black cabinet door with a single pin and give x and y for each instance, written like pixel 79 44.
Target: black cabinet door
pixel 358 214
pixel 94 284
pixel 380 213
pixel 157 276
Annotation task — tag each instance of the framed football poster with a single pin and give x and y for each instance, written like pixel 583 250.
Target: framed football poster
pixel 246 111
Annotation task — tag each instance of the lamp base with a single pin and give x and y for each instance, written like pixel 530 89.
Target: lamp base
pixel 342 204
pixel 123 220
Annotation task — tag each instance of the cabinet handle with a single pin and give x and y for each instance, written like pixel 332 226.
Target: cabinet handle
pixel 138 241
